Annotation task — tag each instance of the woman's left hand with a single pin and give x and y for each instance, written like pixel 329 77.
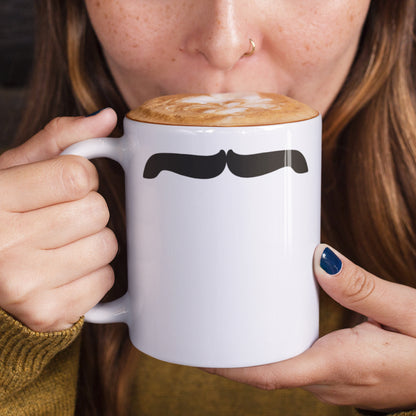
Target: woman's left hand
pixel 370 366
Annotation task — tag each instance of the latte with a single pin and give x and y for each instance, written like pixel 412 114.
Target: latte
pixel 222 110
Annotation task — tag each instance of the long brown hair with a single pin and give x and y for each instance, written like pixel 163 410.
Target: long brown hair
pixel 369 198
pixel 369 160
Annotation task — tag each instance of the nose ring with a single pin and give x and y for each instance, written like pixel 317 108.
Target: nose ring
pixel 252 48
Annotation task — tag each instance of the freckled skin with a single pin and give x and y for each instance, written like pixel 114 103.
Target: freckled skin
pixel 304 48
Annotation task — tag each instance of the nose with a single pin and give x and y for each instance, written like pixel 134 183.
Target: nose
pixel 221 36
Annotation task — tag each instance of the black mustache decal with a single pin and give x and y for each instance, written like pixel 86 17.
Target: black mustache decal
pixel 206 167
pixel 194 166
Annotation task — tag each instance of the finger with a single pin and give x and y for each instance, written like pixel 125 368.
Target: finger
pixel 81 257
pixel 41 184
pixel 308 368
pixel 388 303
pixel 66 223
pixel 29 273
pixel 60 308
pixel 57 135
pixel 84 293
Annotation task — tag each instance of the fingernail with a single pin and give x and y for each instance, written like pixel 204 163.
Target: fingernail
pixel 330 262
pixel 94 113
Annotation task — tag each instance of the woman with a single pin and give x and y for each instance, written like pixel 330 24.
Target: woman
pixel 351 60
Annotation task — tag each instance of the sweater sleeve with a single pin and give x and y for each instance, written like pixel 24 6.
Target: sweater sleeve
pixel 38 371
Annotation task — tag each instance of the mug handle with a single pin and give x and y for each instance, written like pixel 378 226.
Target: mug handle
pixel 116 310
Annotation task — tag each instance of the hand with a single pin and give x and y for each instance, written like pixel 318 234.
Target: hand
pixel 371 366
pixel 55 248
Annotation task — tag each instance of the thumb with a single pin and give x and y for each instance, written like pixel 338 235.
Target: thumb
pixel 57 135
pixel 388 303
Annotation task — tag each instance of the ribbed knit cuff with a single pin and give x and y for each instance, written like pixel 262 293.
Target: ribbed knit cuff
pixel 24 353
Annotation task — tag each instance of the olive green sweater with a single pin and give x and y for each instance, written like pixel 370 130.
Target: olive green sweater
pixel 38 376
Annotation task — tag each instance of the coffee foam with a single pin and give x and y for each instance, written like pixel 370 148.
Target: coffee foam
pixel 222 110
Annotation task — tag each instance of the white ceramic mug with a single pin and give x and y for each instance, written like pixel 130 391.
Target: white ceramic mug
pixel 222 223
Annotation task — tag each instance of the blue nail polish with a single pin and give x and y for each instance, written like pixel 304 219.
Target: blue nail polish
pixel 330 263
pixel 94 113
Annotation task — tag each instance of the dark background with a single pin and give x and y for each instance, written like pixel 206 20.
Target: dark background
pixel 16 51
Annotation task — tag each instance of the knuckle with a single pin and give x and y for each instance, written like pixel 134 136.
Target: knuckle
pixel 97 284
pixel 98 208
pixel 266 381
pixel 54 126
pixel 108 278
pixel 77 176
pixel 110 243
pixel 359 287
pixel 266 385
pixel 52 132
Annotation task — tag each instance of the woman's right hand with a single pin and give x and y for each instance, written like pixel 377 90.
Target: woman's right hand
pixel 55 248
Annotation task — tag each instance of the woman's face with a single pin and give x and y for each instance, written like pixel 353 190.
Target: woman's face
pixel 304 48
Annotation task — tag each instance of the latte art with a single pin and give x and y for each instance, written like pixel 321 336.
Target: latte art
pixel 222 110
